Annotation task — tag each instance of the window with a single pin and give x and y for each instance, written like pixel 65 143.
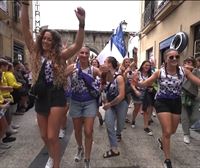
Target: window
pixel 149 54
pixel 18 51
pixel 197 41
pixel 16 10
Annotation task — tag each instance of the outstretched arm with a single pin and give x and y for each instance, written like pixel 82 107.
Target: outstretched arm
pixel 147 82
pixel 76 46
pixel 26 26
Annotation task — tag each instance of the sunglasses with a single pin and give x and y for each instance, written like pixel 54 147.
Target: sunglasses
pixel 172 57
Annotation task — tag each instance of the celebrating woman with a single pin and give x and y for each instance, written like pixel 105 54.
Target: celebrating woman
pixel 168 97
pixel 48 64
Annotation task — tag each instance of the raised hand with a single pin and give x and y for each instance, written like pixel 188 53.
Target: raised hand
pixel 80 14
pixel 135 78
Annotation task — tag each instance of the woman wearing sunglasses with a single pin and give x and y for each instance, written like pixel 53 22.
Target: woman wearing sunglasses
pixel 170 78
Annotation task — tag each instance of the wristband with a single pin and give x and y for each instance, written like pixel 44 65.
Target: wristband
pixel 81 25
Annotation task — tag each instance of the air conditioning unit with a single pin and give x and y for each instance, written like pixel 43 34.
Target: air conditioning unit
pixel 197 48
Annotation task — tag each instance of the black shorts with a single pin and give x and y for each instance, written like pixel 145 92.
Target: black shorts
pixel 168 105
pixel 55 97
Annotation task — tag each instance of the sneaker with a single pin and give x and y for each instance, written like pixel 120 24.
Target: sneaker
pixel 186 139
pixel 167 163
pixel 133 124
pixel 148 131
pixel 87 163
pixel 49 163
pixel 160 143
pixel 12 131
pixel 154 114
pixel 4 146
pixel 8 139
pixel 79 156
pixel 62 133
pixel 15 126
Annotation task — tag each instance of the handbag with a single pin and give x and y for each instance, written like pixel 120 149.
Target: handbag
pixel 89 82
pixel 39 88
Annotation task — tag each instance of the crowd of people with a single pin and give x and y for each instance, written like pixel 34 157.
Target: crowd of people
pixel 15 79
pixel 64 79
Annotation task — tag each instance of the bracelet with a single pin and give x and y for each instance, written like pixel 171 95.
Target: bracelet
pixel 24 3
pixel 81 25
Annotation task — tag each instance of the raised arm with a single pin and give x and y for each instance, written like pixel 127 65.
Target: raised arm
pixel 76 46
pixel 26 26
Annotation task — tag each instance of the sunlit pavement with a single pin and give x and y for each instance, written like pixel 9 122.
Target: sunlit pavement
pixel 137 149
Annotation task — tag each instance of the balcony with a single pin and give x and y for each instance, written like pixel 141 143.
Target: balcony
pixel 148 22
pixel 3 14
pixel 165 8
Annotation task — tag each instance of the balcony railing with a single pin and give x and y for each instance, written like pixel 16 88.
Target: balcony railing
pixel 165 8
pixel 148 14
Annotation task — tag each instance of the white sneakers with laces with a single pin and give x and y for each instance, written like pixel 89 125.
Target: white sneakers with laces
pixel 62 133
pixel 49 163
pixel 186 139
pixel 79 156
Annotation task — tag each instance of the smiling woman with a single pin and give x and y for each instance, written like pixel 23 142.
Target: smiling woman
pixel 48 59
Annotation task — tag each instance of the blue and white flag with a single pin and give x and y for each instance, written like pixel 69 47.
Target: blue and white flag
pixel 116 47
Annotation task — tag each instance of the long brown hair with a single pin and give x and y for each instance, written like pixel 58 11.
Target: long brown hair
pixel 58 63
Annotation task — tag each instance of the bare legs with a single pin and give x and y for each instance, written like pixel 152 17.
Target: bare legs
pixel 169 123
pixel 88 123
pixel 49 129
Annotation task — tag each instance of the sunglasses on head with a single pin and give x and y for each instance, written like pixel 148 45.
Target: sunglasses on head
pixel 172 57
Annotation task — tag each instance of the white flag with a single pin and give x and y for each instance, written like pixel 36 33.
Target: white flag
pixel 115 47
pixel 106 52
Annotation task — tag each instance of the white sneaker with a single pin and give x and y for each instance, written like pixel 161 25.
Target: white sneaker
pixel 12 131
pixel 186 139
pixel 87 163
pixel 79 156
pixel 62 133
pixel 49 163
pixel 15 126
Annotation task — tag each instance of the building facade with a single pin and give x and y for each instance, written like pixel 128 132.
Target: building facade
pixel 168 23
pixel 11 38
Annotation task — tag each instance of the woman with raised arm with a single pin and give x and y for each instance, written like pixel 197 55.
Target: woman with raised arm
pixel 168 97
pixel 48 63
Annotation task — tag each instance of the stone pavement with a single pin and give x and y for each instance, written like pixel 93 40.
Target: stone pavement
pixel 137 149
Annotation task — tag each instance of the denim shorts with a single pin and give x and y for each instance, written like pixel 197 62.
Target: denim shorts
pixel 83 109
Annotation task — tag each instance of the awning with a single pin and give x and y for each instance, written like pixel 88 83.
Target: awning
pixel 166 43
